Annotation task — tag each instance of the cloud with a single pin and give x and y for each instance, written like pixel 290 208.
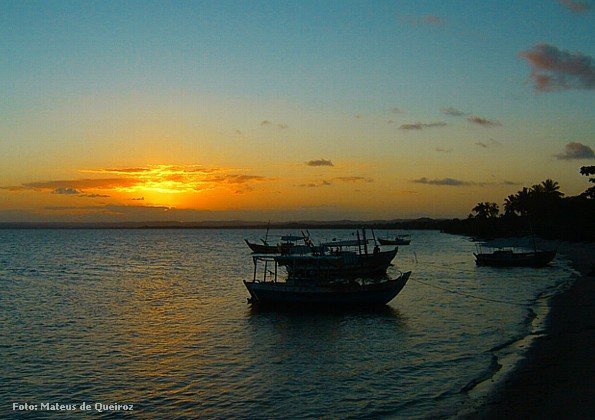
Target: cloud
pixel 66 191
pixel 432 20
pixel 419 126
pixel 138 199
pixel 157 178
pixel 553 69
pixel 491 143
pixel 95 195
pixel 358 116
pixel 390 121
pixel 353 179
pixel 506 182
pixel 397 110
pixel 442 150
pixel 576 150
pixel 322 183
pixel 267 123
pixel 484 122
pixel 575 6
pixel 445 181
pixel 453 112
pixel 320 162
pixel 80 184
pixel 452 182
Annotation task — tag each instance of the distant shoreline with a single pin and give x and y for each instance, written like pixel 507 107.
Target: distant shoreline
pixel 417 224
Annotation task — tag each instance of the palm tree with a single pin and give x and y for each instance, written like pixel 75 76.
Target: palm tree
pixel 486 210
pixel 551 188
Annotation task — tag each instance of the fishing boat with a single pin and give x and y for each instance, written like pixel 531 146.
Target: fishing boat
pixel 512 253
pixel 335 259
pixel 287 244
pixel 317 291
pixel 398 240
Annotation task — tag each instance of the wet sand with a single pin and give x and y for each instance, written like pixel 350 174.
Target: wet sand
pixel 557 378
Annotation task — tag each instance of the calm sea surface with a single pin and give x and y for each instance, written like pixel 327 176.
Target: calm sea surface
pixel 159 319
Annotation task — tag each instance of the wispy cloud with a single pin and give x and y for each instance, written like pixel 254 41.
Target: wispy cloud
pixel 444 181
pixel 484 122
pixel 453 182
pixel 424 20
pixel 575 6
pixel 443 150
pixel 66 191
pixel 433 20
pixel 396 110
pixel 353 179
pixel 453 112
pixel 320 162
pixel 553 69
pixel 267 123
pixel 420 126
pixel 576 151
pixel 490 143
pixel 95 195
pixel 322 183
pixel 158 178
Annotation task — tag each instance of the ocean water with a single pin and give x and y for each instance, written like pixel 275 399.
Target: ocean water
pixel 159 319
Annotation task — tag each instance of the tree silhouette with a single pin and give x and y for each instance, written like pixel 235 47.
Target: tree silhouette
pixel 589 192
pixel 486 210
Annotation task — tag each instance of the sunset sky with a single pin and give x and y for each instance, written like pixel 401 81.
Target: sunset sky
pixel 290 110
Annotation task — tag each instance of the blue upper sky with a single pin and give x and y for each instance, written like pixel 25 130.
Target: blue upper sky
pixel 348 78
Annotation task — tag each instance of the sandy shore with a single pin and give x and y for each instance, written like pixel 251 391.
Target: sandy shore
pixel 557 378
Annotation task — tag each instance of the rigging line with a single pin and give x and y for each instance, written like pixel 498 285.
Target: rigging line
pixel 456 292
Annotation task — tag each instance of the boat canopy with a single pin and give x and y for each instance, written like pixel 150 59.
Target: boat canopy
pixel 292 238
pixel 349 242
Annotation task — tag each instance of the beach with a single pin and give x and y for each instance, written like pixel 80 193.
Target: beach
pixel 557 376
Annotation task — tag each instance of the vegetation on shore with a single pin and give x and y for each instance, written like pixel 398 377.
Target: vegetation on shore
pixel 542 208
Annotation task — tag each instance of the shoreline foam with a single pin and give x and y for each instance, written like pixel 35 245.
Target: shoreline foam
pixel 555 376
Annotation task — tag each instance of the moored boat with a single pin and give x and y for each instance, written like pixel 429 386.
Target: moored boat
pixel 399 240
pixel 316 291
pixel 513 253
pixel 510 258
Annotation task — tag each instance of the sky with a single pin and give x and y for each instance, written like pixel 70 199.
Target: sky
pixel 289 110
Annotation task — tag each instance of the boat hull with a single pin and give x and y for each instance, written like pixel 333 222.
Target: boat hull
pixel 262 249
pixel 329 295
pixel 394 241
pixel 346 265
pixel 515 259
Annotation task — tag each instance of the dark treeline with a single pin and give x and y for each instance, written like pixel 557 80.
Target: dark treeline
pixel 542 208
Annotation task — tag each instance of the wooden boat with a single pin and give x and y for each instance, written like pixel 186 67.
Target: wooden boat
pixel 510 258
pixel 513 253
pixel 338 264
pixel 338 259
pixel 318 292
pixel 263 248
pixel 285 246
pixel 399 240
